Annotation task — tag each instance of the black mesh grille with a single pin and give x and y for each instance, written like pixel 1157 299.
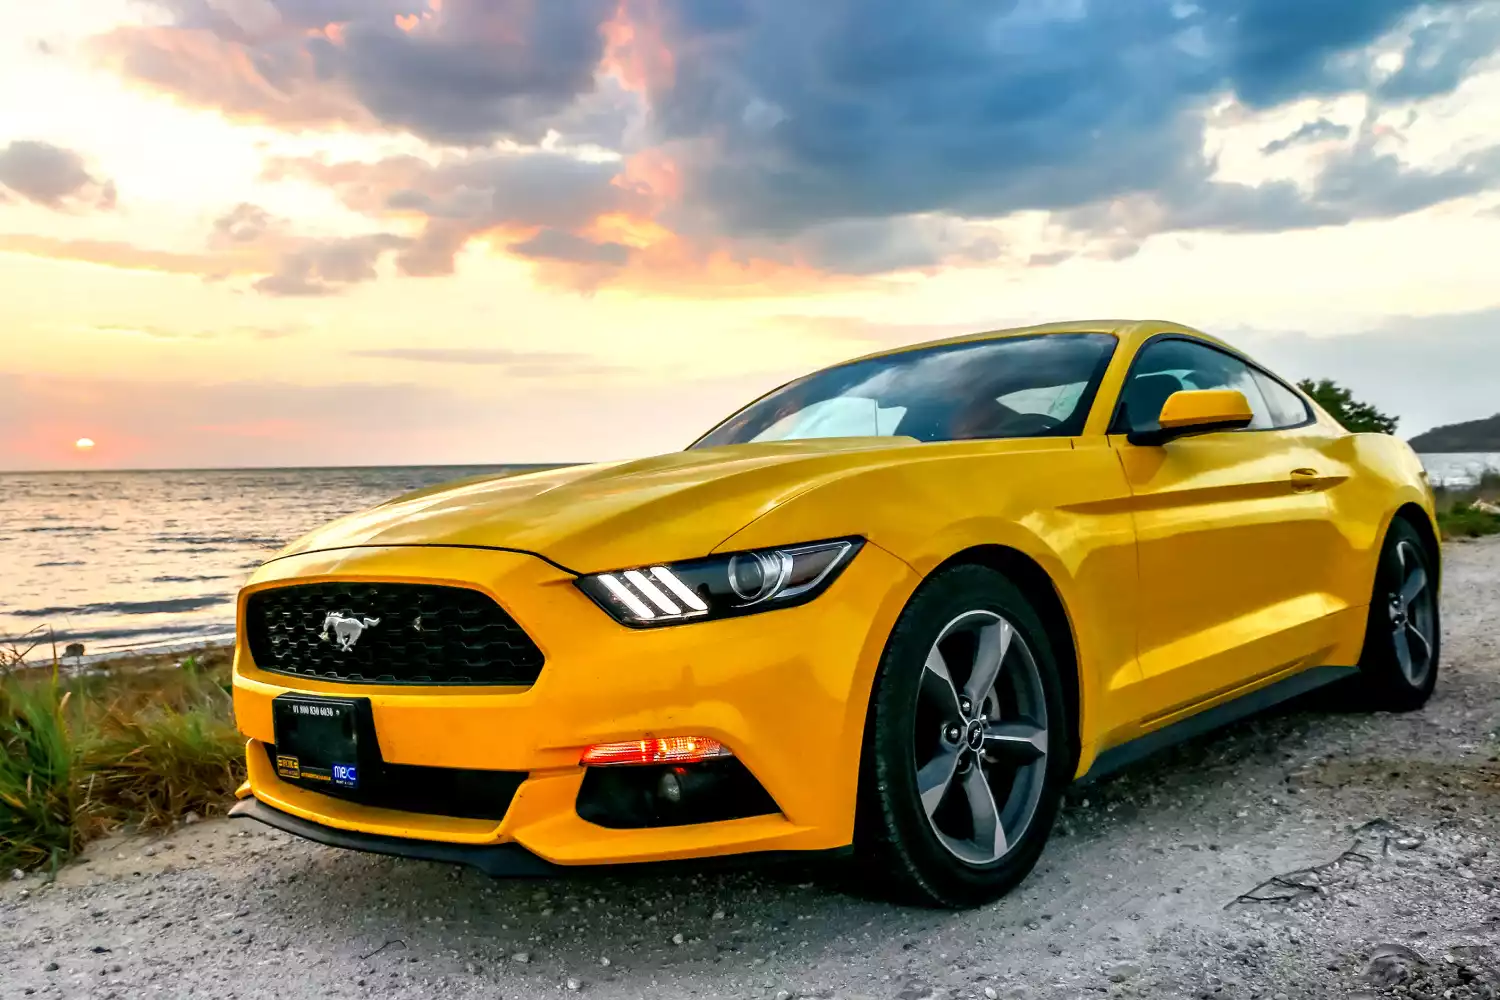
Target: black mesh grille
pixel 418 634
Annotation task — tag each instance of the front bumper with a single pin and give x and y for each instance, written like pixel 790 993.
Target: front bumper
pixel 785 690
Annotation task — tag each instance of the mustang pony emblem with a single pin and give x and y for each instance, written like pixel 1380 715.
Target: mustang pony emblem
pixel 346 630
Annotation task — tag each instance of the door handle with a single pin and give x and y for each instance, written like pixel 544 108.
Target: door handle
pixel 1304 480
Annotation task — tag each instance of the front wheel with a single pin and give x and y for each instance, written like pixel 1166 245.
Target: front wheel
pixel 1403 639
pixel 966 746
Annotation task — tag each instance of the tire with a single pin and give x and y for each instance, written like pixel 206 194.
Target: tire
pixel 1015 741
pixel 1403 639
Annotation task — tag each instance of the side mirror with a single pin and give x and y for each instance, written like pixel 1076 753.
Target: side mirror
pixel 1197 411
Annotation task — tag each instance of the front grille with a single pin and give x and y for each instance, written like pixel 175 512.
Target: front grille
pixel 462 793
pixel 417 634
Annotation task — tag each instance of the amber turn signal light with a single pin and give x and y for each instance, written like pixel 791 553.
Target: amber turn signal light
pixel 655 750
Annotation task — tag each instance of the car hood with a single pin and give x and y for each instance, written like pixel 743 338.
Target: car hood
pixel 611 515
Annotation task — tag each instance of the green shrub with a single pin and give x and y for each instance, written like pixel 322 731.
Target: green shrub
pixel 85 755
pixel 39 817
pixel 1466 521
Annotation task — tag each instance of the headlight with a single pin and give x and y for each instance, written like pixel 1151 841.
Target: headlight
pixel 739 583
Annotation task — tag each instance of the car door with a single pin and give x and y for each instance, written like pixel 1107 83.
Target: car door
pixel 1234 536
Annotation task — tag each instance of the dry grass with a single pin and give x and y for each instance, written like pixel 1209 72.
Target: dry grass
pixel 137 744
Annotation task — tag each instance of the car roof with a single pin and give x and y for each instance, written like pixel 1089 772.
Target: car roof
pixel 1121 328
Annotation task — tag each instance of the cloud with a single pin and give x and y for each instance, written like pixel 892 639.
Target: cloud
pixel 459 71
pixel 1442 51
pixel 1359 182
pixel 325 267
pixel 247 241
pixel 1313 131
pixel 555 244
pixel 523 364
pixel 128 256
pixel 851 137
pixel 581 221
pixel 790 117
pixel 201 334
pixel 53 177
pixel 465 195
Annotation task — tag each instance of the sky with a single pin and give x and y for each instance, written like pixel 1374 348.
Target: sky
pixel 345 232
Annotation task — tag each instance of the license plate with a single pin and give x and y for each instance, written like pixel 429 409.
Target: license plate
pixel 322 741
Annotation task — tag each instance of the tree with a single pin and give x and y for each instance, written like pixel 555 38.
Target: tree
pixel 1356 416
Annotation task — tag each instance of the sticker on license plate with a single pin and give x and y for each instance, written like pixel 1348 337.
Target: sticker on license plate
pixel 318 740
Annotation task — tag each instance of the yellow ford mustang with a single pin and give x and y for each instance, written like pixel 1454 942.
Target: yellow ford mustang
pixel 895 606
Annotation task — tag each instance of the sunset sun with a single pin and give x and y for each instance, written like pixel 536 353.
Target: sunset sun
pixel 84 444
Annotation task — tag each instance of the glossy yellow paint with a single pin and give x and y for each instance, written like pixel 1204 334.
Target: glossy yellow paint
pixel 1214 408
pixel 1188 574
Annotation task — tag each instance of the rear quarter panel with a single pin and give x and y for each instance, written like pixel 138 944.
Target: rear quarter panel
pixel 1381 475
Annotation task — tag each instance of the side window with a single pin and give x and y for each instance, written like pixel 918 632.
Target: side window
pixel 1287 408
pixel 1169 366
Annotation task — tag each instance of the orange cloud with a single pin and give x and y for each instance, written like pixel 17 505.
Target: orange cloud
pixel 333 32
pixel 127 256
pixel 204 70
pixel 615 220
pixel 651 172
pixel 635 51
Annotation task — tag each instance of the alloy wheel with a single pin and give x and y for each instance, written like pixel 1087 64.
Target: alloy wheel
pixel 1412 615
pixel 980 738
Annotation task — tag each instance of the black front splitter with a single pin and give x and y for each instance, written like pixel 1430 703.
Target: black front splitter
pixel 498 860
pixel 511 860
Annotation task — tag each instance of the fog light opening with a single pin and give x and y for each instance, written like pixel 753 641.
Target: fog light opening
pixel 670 786
pixel 709 791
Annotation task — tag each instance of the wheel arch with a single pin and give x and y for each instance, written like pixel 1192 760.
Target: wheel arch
pixel 1416 516
pixel 1038 585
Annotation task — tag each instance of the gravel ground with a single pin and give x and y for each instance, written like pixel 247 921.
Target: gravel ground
pixel 1381 828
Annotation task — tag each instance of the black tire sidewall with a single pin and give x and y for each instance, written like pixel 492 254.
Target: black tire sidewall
pixel 1385 681
pixel 891 807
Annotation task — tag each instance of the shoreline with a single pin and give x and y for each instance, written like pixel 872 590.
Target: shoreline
pixel 149 658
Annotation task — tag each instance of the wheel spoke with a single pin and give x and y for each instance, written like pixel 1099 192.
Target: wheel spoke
pixel 989 835
pixel 938 687
pixel 1018 741
pixel 1403 654
pixel 1411 627
pixel 1416 582
pixel 989 656
pixel 935 776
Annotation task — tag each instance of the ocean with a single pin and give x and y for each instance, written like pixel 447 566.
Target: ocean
pixel 125 561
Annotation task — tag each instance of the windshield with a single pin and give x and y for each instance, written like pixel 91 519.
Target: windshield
pixel 1034 386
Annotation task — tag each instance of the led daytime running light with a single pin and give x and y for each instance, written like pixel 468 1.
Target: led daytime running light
pixel 641 586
